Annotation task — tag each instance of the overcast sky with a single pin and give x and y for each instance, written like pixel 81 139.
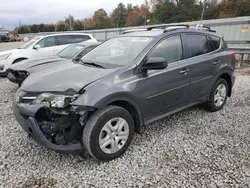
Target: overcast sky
pixel 50 11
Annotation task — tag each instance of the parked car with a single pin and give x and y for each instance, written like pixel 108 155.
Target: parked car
pixel 40 46
pixel 18 72
pixel 4 37
pixel 123 84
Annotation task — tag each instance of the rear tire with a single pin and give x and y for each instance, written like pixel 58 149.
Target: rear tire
pixel 108 133
pixel 218 96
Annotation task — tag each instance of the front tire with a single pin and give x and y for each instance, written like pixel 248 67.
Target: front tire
pixel 218 96
pixel 108 133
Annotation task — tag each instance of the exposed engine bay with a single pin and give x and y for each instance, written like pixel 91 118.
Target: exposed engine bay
pixel 62 126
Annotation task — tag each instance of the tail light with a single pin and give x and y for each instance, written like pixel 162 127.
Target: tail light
pixel 232 54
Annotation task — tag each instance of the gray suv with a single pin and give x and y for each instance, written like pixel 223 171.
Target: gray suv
pixel 96 105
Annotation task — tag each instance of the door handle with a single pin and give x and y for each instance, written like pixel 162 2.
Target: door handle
pixel 216 63
pixel 184 71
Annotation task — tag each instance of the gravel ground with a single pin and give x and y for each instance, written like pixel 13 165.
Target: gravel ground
pixel 194 148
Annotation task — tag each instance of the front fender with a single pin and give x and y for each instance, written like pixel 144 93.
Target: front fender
pixel 103 96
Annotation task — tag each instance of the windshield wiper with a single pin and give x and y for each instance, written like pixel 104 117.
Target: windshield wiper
pixel 93 64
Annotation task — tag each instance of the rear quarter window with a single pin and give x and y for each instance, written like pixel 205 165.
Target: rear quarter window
pixel 224 45
pixel 81 38
pixel 214 43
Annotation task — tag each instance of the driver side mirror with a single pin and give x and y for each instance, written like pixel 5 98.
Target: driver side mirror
pixel 37 46
pixel 155 63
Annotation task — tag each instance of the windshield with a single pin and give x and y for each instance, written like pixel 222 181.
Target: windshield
pixel 71 51
pixel 117 51
pixel 31 42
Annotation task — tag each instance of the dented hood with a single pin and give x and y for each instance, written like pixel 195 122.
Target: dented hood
pixel 33 64
pixel 64 78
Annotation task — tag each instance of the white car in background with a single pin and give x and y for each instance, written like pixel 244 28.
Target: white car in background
pixel 41 46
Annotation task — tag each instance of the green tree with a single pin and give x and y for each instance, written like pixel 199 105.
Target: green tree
pixel 41 28
pixel 165 12
pixel 119 15
pixel 23 29
pixel 212 9
pixel 34 28
pixel 49 28
pixel 62 26
pixel 69 21
pixel 78 26
pixel 242 8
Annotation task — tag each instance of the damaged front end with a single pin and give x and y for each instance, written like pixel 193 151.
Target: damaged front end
pixel 17 76
pixel 53 122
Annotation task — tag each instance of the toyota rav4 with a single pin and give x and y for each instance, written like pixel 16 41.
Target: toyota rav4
pixel 96 105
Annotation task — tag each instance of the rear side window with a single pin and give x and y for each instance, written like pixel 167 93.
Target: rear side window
pixel 170 49
pixel 225 47
pixel 47 42
pixel 215 43
pixel 81 38
pixel 196 45
pixel 64 39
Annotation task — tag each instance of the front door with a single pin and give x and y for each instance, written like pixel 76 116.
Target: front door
pixel 47 47
pixel 166 89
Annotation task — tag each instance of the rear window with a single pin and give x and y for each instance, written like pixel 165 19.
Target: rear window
pixel 215 43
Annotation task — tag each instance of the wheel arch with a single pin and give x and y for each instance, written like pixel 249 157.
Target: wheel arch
pixel 227 77
pixel 19 59
pixel 130 106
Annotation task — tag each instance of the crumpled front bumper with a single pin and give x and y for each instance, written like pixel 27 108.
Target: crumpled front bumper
pixel 25 115
pixel 17 76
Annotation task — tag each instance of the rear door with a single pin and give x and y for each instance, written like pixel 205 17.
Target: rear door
pixel 47 47
pixel 200 60
pixel 62 41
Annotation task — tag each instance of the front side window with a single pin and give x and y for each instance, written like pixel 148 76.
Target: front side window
pixel 47 42
pixel 170 49
pixel 71 51
pixel 118 51
pixel 64 39
pixel 30 43
pixel 196 45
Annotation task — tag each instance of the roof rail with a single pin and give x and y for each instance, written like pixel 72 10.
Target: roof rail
pixel 166 26
pixel 203 27
pixel 132 30
pixel 169 27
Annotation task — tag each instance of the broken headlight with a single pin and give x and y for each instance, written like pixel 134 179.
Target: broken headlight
pixel 55 100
